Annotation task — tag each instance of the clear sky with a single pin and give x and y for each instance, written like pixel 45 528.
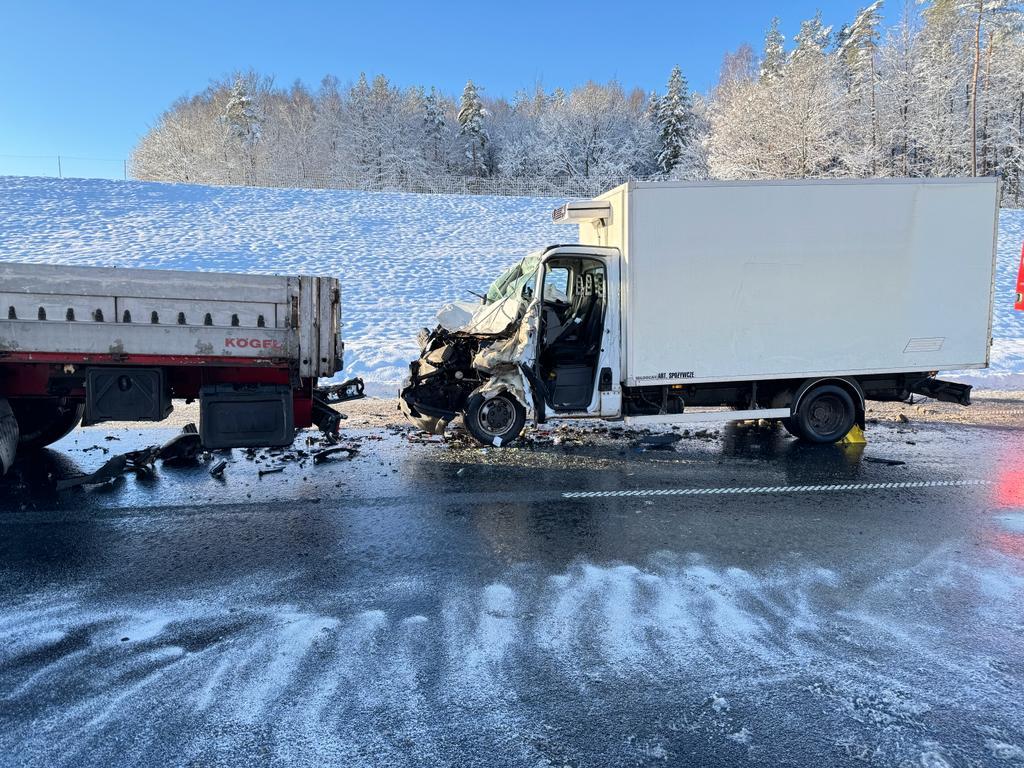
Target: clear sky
pixel 85 79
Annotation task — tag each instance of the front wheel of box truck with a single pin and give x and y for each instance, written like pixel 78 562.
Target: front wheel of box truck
pixel 824 415
pixel 496 420
pixel 8 436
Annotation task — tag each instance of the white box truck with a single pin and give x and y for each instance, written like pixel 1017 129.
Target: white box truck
pixel 99 344
pixel 792 300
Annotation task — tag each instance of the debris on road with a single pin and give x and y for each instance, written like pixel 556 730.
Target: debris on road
pixel 325 454
pixel 659 442
pixel 183 448
pixel 217 470
pixel 887 462
pixel 271 470
pixel 140 461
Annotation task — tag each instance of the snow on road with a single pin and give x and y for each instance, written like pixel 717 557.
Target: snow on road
pixel 400 256
pixel 363 671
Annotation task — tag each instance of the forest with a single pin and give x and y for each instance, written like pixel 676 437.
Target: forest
pixel 938 93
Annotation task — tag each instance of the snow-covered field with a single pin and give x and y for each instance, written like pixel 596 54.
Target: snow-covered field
pixel 400 256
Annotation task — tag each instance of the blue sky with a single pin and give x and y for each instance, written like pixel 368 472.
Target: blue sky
pixel 85 79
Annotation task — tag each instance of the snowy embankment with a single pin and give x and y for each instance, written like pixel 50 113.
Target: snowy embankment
pixel 399 256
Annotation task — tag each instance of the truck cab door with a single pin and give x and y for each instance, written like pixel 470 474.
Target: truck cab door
pixel 576 366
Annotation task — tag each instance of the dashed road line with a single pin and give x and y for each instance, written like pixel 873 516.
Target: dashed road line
pixel 773 489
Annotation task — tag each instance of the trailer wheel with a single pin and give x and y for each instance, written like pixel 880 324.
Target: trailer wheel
pixel 494 421
pixel 825 414
pixel 43 421
pixel 8 437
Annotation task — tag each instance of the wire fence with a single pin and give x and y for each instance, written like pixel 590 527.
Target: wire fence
pixel 74 166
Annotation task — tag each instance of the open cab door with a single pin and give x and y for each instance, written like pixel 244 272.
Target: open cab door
pixel 576 366
pixel 1019 304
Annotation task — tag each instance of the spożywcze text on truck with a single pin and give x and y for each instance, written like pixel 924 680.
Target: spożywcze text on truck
pixel 790 300
pixel 96 344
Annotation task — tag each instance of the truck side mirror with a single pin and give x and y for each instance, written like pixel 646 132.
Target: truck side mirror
pixel 527 292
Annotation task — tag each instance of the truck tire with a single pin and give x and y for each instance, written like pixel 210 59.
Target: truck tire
pixel 8 437
pixel 825 414
pixel 494 421
pixel 43 421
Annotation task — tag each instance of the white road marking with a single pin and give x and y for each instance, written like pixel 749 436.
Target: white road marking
pixel 775 489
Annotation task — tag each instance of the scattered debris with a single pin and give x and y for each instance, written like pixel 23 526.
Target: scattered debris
pixel 217 470
pixel 887 462
pixel 903 418
pixel 662 442
pixel 183 448
pixel 271 470
pixel 140 461
pixel 323 455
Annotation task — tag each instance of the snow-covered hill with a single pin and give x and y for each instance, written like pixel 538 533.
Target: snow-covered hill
pixel 399 256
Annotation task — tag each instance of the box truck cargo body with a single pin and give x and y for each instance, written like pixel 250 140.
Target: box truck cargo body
pixel 796 300
pixel 731 281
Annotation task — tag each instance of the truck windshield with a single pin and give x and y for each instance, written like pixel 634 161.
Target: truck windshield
pixel 513 279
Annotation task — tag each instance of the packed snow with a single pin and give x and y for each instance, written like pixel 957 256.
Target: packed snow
pixel 399 256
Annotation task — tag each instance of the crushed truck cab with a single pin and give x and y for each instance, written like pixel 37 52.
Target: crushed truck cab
pixel 797 301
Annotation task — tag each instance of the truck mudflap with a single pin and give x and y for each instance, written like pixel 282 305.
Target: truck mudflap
pixel 8 437
pixel 944 391
pixel 324 416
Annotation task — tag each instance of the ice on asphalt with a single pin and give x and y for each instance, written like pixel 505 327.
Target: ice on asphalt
pixel 218 662
pixel 400 256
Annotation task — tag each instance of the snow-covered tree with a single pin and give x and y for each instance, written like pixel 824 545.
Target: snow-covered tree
pixel 472 129
pixel 435 125
pixel 675 121
pixel 773 59
pixel 857 50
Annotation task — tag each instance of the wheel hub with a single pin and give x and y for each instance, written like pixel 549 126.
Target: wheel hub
pixel 497 416
pixel 826 414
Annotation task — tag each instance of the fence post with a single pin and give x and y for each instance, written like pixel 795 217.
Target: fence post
pixel 60 173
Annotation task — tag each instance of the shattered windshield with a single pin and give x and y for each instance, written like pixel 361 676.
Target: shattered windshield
pixel 513 279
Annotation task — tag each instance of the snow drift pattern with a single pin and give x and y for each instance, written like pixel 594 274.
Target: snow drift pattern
pixel 383 668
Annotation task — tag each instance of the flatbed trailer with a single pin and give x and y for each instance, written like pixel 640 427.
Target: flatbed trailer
pixel 95 344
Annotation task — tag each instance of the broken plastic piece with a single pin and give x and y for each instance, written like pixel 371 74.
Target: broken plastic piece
pixel 323 455
pixel 182 448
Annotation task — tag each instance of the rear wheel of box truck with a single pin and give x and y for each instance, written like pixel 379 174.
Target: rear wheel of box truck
pixel 824 415
pixel 45 420
pixel 8 437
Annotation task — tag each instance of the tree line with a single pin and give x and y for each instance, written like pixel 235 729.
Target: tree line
pixel 939 93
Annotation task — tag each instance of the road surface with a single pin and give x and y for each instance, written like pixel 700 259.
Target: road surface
pixel 581 601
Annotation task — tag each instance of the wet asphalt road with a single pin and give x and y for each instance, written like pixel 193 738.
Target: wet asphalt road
pixel 424 604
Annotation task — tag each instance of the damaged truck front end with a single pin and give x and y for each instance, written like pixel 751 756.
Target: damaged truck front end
pixel 476 362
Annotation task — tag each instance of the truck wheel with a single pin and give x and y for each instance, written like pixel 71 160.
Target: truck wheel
pixel 8 437
pixel 825 414
pixel 44 421
pixel 495 421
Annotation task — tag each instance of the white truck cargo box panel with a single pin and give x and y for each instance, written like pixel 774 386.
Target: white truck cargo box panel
pixel 728 281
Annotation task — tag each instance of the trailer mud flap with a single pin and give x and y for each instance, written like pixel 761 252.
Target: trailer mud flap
pixel 944 391
pixel 246 416
pixel 8 437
